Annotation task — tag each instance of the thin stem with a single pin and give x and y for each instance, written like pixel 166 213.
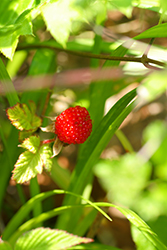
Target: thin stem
pixel 145 55
pixel 124 141
pixel 90 55
pixel 149 46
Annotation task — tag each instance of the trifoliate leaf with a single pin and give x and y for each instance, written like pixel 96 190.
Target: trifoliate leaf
pixel 24 118
pixel 32 161
pixel 48 239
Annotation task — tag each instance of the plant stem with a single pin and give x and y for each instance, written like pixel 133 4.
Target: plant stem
pixel 90 55
pixel 124 141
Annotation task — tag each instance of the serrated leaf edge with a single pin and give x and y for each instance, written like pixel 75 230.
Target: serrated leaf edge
pixel 21 106
pixel 83 239
pixel 26 139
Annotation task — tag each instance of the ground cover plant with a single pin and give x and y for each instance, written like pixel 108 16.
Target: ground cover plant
pixel 77 78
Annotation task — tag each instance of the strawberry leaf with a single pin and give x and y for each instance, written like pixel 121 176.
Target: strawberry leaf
pixel 46 238
pixel 46 154
pixel 31 144
pixel 32 161
pixel 24 118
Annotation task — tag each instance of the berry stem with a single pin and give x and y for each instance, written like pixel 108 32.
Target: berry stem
pixel 48 141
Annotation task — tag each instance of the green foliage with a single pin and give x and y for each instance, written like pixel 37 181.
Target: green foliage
pixel 156 31
pixel 132 217
pixel 24 118
pixel 44 238
pixel 5 245
pixel 136 180
pixel 32 161
pixel 129 171
pixel 55 18
pixel 15 21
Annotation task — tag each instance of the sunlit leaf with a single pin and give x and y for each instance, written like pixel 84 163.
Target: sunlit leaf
pixel 58 17
pixel 27 167
pixel 147 4
pixel 150 235
pixel 48 239
pixel 4 245
pixel 15 20
pixel 123 6
pixel 31 162
pixel 46 153
pixel 141 241
pixel 159 30
pixel 10 34
pixel 31 144
pixel 143 227
pixel 24 118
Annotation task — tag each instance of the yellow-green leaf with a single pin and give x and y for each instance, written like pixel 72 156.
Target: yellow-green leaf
pixel 31 144
pixel 31 162
pixel 24 118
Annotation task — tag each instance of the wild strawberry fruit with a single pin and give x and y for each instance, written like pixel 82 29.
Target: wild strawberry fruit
pixel 74 125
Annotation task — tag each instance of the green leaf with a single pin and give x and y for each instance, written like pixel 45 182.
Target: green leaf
pixel 31 144
pixel 140 240
pixel 23 212
pixel 58 17
pixel 43 62
pixel 11 229
pixel 11 10
pixel 7 85
pixel 124 6
pixel 15 20
pixel 159 30
pixel 13 66
pixel 46 153
pixel 31 162
pixel 4 245
pixel 143 227
pixel 27 167
pixel 48 239
pixel 24 118
pixel 153 5
pixel 10 34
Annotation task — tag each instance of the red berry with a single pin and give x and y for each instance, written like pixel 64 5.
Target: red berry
pixel 74 125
